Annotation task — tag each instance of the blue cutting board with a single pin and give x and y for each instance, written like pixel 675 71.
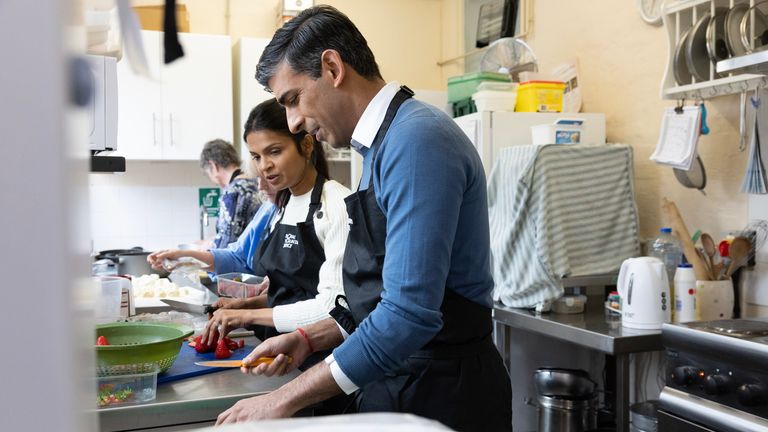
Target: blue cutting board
pixel 185 367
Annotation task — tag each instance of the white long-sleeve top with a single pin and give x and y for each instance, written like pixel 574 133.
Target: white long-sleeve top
pixel 332 230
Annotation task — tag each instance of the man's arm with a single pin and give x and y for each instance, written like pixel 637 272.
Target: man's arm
pixel 311 387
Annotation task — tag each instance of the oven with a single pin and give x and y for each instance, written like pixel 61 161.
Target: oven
pixel 716 377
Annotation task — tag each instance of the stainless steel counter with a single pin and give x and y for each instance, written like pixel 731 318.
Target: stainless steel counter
pixel 196 400
pixel 593 330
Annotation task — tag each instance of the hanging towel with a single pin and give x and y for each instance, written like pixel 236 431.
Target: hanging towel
pixel 558 211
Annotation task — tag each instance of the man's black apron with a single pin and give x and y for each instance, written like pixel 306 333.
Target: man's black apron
pixel 291 257
pixel 458 378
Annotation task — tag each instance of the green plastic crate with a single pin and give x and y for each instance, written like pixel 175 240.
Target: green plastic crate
pixel 462 87
pixel 463 107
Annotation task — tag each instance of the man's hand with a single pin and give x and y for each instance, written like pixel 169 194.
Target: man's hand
pixel 285 347
pixel 229 303
pixel 255 408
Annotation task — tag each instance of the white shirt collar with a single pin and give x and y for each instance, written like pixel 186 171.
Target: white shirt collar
pixel 373 116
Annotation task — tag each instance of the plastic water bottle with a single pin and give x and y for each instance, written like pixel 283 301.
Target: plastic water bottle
pixel 685 294
pixel 666 248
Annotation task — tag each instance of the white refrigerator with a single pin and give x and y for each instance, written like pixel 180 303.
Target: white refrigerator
pixel 491 131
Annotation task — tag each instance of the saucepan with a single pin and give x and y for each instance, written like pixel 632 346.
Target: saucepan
pixel 130 261
pixel 573 384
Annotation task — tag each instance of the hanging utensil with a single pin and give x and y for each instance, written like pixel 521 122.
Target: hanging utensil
pixel 743 121
pixel 755 181
pixel 694 178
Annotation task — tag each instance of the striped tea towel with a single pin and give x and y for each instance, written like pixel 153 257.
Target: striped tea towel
pixel 558 211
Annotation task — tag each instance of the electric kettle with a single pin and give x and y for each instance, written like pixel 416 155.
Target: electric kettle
pixel 644 291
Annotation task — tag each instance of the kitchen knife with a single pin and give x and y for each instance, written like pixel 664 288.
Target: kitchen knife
pixel 236 363
pixel 189 307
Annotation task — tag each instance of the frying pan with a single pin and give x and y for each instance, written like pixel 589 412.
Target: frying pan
pixel 680 65
pixel 696 55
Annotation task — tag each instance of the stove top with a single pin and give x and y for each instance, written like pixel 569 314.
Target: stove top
pixel 722 361
pixel 755 329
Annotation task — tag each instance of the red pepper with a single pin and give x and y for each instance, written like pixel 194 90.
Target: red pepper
pixel 723 248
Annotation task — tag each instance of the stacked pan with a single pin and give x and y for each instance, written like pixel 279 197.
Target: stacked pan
pixel 714 37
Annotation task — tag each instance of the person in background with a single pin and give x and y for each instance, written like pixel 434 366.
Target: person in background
pixel 239 198
pixel 417 274
pixel 239 256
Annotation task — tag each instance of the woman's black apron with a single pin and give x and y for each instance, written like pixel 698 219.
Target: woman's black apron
pixel 458 378
pixel 291 257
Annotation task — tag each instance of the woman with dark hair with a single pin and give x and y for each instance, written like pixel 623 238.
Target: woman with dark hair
pixel 239 199
pixel 304 247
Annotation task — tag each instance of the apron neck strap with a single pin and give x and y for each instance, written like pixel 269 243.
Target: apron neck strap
pixel 401 96
pixel 234 175
pixel 314 203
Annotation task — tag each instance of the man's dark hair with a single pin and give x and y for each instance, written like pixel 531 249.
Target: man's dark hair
pixel 303 39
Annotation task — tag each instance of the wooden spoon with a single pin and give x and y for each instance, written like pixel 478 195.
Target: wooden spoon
pixel 710 250
pixel 681 232
pixel 739 253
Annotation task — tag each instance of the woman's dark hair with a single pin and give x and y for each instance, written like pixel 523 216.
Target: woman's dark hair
pixel 302 40
pixel 220 152
pixel 269 115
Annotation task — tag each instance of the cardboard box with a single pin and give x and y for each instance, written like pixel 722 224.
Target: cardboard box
pixel 151 17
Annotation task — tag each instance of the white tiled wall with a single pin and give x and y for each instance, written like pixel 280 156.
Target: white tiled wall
pixel 152 205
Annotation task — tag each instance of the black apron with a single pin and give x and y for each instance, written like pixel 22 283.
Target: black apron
pixel 458 378
pixel 291 257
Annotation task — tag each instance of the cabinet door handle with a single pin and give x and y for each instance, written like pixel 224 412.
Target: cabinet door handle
pixel 154 129
pixel 171 125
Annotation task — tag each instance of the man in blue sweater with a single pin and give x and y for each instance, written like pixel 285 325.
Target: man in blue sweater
pixel 415 335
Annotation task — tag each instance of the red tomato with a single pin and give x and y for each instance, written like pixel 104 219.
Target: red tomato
pixel 101 340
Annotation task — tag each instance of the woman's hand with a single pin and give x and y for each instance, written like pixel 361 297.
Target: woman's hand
pixel 156 259
pixel 289 349
pixel 263 286
pixel 224 321
pixel 229 303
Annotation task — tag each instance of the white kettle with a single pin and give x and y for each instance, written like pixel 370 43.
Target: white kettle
pixel 644 291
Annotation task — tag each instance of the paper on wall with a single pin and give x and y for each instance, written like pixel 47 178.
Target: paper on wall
pixel 678 137
pixel 568 73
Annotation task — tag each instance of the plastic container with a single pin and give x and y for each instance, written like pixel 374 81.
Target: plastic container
pixel 540 96
pixel 685 294
pixel 666 248
pixel 463 107
pixel 464 86
pixel 118 390
pixel 109 298
pixel 714 300
pixel 494 100
pixel 134 345
pixel 569 304
pixel 562 131
pixel 238 285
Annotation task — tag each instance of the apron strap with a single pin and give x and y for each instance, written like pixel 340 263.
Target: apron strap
pixel 314 203
pixel 402 95
pixel 234 175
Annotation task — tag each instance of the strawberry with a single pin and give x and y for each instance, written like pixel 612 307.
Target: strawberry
pixel 232 345
pixel 241 343
pixel 101 340
pixel 201 347
pixel 222 351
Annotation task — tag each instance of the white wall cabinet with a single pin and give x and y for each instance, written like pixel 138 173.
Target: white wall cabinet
pixel 171 115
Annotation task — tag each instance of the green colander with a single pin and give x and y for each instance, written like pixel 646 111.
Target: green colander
pixel 138 347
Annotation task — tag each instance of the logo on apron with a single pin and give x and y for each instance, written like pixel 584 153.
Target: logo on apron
pixel 290 240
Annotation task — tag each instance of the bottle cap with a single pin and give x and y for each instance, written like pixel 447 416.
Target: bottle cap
pixel 685 265
pixel 666 230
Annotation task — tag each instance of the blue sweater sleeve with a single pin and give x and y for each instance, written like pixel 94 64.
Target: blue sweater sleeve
pixel 238 257
pixel 420 180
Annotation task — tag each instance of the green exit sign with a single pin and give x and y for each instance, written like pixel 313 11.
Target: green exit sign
pixel 208 198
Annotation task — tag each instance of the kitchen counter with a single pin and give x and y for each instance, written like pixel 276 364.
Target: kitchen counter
pixel 593 330
pixel 195 401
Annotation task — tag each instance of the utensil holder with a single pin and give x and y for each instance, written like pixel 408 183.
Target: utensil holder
pixel 714 300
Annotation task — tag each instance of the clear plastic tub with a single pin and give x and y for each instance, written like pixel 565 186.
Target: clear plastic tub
pixel 495 100
pixel 238 285
pixel 118 390
pixel 569 304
